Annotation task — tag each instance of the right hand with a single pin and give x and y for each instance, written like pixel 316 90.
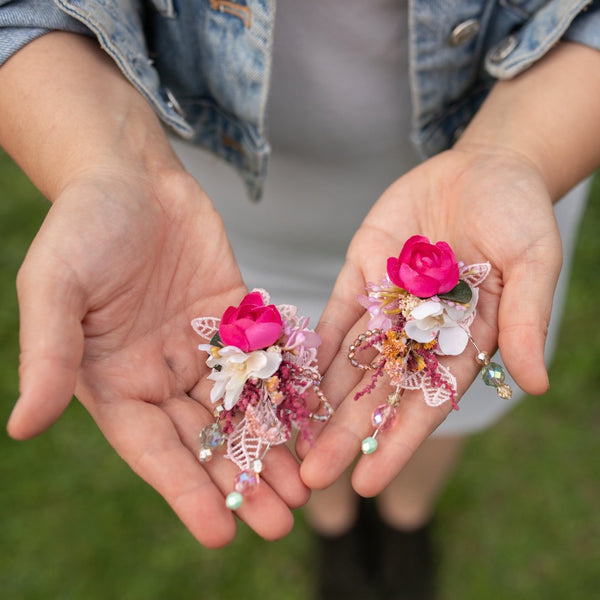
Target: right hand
pixel 107 291
pixel 130 252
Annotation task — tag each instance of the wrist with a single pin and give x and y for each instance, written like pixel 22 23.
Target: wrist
pixel 66 109
pixel 548 116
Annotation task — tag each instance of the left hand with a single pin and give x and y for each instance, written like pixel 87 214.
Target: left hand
pixel 489 206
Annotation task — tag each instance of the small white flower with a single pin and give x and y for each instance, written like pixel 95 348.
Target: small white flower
pixel 236 368
pixel 446 321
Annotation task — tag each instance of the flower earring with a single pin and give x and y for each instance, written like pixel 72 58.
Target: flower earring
pixel 263 361
pixel 421 310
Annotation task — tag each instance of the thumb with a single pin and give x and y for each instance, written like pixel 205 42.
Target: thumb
pixel 524 315
pixel 51 339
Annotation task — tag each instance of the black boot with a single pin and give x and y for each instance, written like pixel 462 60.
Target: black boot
pixel 346 562
pixel 406 563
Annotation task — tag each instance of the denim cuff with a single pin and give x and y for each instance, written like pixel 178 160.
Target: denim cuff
pixel 22 21
pixel 585 28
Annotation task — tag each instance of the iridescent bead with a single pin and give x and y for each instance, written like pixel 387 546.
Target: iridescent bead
pixel 369 445
pixel 234 500
pixel 212 436
pixel 383 417
pixel 246 482
pixel 492 374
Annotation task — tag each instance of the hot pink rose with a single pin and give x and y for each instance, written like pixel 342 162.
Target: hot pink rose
pixel 424 269
pixel 251 325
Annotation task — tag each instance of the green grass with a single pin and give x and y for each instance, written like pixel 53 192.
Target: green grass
pixel 519 521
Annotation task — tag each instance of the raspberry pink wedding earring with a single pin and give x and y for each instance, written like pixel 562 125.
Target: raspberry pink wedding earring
pixel 263 361
pixel 421 310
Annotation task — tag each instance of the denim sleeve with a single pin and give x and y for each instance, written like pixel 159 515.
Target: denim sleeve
pixel 585 28
pixel 22 21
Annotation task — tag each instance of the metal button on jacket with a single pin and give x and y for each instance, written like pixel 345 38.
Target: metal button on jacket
pixel 503 49
pixel 464 32
pixel 173 103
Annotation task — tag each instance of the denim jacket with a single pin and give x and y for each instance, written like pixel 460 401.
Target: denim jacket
pixel 204 65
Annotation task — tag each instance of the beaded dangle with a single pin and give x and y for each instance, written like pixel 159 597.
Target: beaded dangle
pixel 263 361
pixel 420 311
pixel 492 374
pixel 247 480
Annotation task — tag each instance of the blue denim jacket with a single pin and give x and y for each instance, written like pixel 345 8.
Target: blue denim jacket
pixel 204 65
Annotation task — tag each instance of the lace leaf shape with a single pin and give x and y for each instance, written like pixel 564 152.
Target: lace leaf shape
pixel 206 327
pixel 255 434
pixel 243 447
pixel 435 395
pixel 288 312
pixel 475 274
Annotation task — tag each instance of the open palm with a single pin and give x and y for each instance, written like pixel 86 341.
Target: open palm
pixel 107 292
pixel 488 207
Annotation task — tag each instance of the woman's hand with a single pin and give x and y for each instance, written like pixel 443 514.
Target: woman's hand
pixel 131 250
pixel 107 292
pixel 490 198
pixel 488 206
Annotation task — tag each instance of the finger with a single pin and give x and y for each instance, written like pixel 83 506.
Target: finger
pixel 415 421
pixel 166 456
pixel 337 384
pixel 51 307
pixel 524 315
pixel 146 439
pixel 339 440
pixel 338 444
pixel 342 316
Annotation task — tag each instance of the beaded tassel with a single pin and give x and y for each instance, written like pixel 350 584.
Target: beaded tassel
pixel 493 375
pixel 384 415
pixel 383 418
pixel 246 482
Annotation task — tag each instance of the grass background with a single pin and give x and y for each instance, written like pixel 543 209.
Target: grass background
pixel 519 521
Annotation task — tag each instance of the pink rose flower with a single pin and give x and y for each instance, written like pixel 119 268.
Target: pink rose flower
pixel 251 325
pixel 424 269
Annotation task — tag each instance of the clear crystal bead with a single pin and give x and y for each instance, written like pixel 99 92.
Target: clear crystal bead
pixel 212 436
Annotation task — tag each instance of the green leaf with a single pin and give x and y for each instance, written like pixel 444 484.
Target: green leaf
pixel 216 340
pixel 460 293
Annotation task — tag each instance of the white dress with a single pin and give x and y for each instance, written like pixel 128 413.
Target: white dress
pixel 339 124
